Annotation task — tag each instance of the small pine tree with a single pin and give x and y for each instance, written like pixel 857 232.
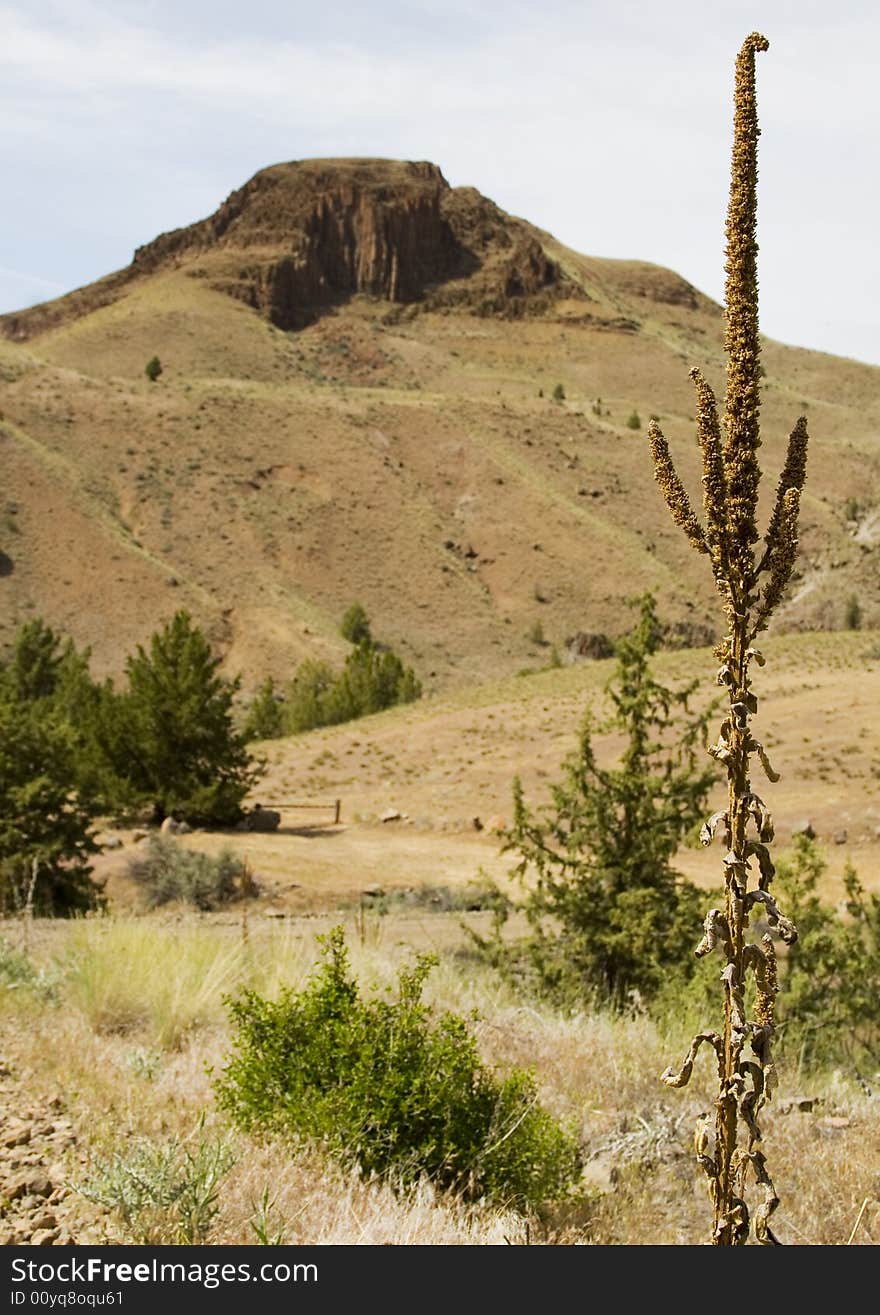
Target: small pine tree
pixel 32 671
pixel 153 369
pixel 372 681
pixel 175 733
pixel 45 828
pixel 609 913
pixel 355 625
pixel 307 696
pixel 559 393
pixel 852 614
pixel 634 420
pixel 265 719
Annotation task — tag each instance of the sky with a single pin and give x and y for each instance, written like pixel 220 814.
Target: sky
pixel 607 123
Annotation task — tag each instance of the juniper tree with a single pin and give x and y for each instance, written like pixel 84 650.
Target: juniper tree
pixel 751 582
pixel 45 826
pixel 173 739
pixel 607 908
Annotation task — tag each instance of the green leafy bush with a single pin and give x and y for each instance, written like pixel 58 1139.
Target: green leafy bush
pixel 389 1088
pixel 153 369
pixel 169 872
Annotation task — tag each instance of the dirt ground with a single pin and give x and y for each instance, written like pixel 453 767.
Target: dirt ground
pixel 441 772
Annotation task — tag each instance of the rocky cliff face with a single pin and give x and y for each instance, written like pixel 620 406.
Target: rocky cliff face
pixel 300 237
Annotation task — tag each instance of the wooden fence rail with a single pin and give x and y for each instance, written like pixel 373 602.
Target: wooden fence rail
pixel 336 805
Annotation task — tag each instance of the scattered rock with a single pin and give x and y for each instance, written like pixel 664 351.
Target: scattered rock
pixel 29 1183
pixel 111 842
pixel 17 1137
pixel 44 1237
pixel 478 825
pixel 584 645
pixel 172 827
pixel 390 815
pixel 600 1174
pixel 804 828
pixel 373 892
pixel 261 819
pixel 496 824
pixel 38 1210
pixel 840 836
pixel 804 1104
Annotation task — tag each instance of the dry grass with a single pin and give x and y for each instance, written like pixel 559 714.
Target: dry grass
pixel 151 1079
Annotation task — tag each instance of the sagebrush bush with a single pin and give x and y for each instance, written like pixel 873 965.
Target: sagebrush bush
pixel 163 1192
pixel 392 1089
pixel 167 872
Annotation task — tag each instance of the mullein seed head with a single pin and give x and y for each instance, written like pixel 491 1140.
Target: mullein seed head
pixel 673 490
pixel 731 476
pixel 741 339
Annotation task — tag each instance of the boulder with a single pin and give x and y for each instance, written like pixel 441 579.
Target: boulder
pixel 262 819
pixel 584 645
pixel 171 827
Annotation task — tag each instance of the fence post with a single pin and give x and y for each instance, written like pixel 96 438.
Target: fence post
pixel 338 808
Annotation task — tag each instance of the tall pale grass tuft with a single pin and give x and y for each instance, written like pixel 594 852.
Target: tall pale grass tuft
pixel 135 977
pixel 751 586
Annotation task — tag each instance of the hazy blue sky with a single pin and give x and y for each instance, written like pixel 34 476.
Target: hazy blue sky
pixel 607 122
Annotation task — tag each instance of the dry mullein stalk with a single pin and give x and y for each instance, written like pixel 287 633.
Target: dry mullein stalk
pixel 750 589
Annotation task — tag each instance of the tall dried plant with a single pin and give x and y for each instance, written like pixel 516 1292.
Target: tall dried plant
pixel 751 584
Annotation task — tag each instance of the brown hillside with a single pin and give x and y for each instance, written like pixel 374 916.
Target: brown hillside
pixel 356 401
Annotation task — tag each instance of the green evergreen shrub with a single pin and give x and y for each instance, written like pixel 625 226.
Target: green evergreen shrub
pixel 265 715
pixel 608 912
pixel 355 625
pixel 829 979
pixel 171 737
pixel 373 679
pixel 43 821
